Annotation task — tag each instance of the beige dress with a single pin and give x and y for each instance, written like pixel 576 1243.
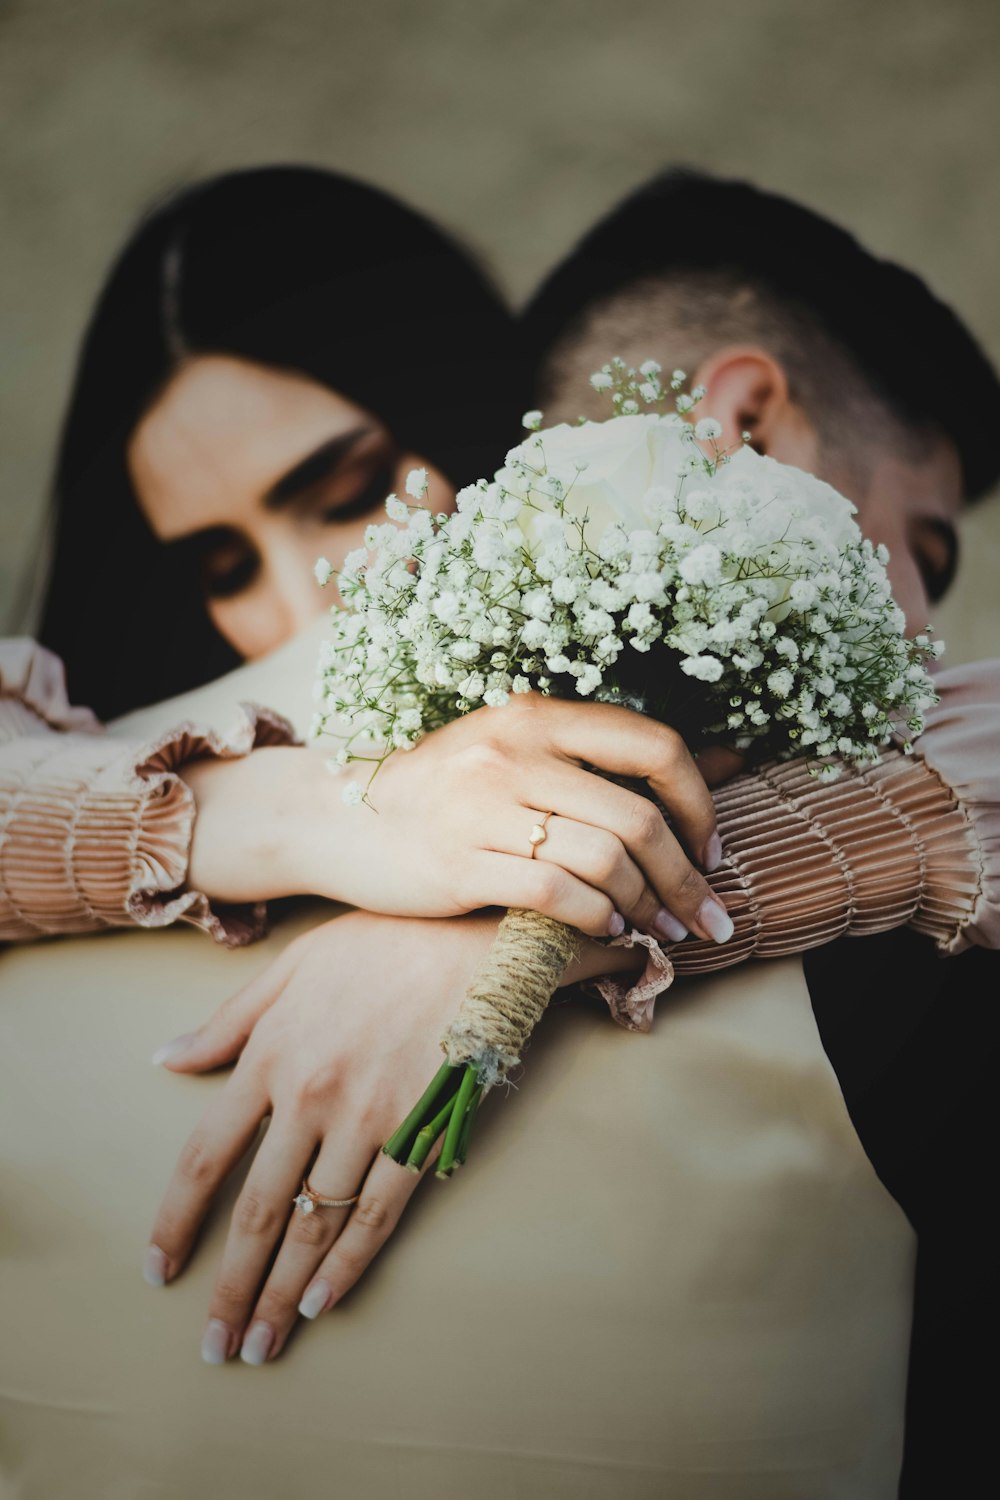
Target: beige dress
pixel 699 1289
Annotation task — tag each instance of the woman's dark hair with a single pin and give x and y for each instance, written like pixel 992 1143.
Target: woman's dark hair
pixel 291 267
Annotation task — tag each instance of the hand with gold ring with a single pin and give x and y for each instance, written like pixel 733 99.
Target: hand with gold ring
pixel 457 819
pixel 321 1041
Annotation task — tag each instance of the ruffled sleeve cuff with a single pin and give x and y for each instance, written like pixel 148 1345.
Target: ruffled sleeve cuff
pixel 33 695
pixel 632 1002
pixel 95 832
pixel 167 824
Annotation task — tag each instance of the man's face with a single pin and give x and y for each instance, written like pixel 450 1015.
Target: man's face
pixel 913 506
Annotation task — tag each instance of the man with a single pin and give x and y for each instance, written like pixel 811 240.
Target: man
pixel 849 367
pixel 835 361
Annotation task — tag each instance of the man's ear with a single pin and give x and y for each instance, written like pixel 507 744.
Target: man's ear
pixel 746 389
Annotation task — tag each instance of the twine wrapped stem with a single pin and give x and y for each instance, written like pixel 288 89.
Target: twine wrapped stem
pixel 504 1004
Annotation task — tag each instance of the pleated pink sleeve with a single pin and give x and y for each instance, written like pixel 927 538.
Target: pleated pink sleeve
pixel 914 840
pixel 95 831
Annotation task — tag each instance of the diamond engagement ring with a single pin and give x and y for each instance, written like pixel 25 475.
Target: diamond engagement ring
pixel 307 1201
pixel 538 834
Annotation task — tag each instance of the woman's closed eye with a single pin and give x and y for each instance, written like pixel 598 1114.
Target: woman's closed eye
pixel 228 568
pixel 230 562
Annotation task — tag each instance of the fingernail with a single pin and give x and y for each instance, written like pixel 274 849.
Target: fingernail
pixel 316 1299
pixel 716 920
pixel 257 1344
pixel 215 1343
pixel 154 1266
pixel 173 1049
pixel 666 926
pixel 713 854
pixel 616 925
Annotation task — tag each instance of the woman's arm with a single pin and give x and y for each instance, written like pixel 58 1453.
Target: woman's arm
pixel 99 831
pixel 95 831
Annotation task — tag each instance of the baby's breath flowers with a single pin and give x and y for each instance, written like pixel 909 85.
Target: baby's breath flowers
pixel 621 560
pixel 636 561
pixel 416 483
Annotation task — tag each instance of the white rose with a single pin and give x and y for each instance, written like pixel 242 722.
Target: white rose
pixel 820 510
pixel 607 469
pixel 762 502
pixel 619 471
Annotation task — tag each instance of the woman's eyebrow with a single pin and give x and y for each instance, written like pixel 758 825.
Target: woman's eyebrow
pixel 313 468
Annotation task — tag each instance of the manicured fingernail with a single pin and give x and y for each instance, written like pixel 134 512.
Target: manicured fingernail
pixel 154 1266
pixel 257 1344
pixel 713 854
pixel 716 920
pixel 173 1049
pixel 215 1343
pixel 616 924
pixel 316 1299
pixel 666 926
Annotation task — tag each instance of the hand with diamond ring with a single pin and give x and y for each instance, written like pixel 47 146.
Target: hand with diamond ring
pixel 340 1029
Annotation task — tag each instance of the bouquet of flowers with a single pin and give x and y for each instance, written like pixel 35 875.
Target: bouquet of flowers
pixel 633 561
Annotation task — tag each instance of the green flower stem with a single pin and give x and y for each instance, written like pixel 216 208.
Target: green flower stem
pixel 471 1110
pixel 399 1143
pixel 466 1089
pixel 428 1135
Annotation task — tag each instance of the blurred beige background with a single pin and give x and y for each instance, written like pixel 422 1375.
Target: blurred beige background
pixel 514 122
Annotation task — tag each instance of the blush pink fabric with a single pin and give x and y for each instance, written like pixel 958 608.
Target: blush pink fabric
pixel 915 840
pixel 95 832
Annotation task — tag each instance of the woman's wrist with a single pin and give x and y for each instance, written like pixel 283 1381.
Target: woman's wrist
pixel 265 826
pixel 594 960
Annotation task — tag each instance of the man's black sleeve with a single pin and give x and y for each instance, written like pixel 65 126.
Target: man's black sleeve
pixel 915 1042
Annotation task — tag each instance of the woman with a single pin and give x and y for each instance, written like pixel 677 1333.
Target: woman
pixel 272 353
pixel 291 269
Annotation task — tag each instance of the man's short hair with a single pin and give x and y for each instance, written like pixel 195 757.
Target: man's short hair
pixel 703 262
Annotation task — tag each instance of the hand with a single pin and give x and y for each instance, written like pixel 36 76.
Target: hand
pixel 335 1040
pixel 453 817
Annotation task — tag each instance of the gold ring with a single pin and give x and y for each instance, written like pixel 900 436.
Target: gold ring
pixel 307 1201
pixel 538 835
